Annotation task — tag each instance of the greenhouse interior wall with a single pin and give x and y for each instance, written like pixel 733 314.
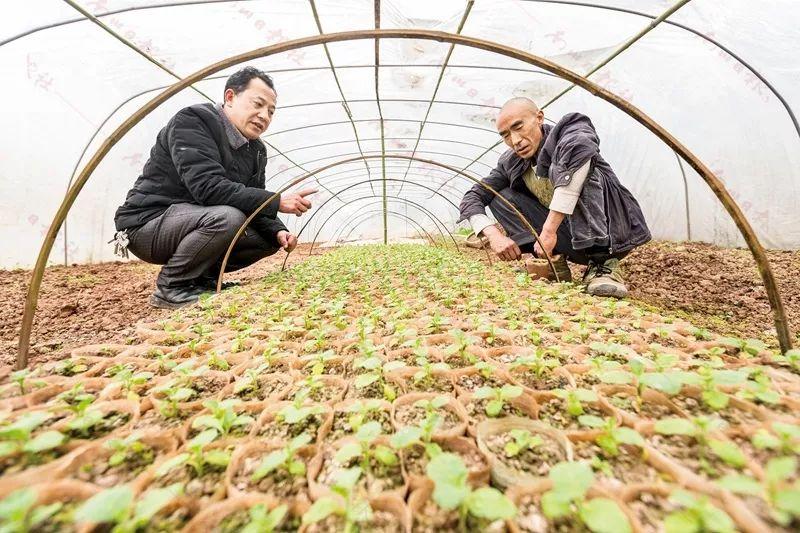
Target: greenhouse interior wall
pixel 412 382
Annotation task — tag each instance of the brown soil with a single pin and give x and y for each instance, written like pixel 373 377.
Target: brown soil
pixel 279 430
pixel 341 423
pixel 195 487
pixel 381 522
pixel 431 519
pixel 629 466
pixel 554 412
pixel 410 415
pixel 83 304
pixel 240 519
pixel 536 461
pixel 686 451
pixel 376 478
pixel 731 414
pixel 651 510
pixel 87 304
pixel 719 288
pixel 279 483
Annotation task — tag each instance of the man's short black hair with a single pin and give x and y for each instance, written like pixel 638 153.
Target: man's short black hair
pixel 239 80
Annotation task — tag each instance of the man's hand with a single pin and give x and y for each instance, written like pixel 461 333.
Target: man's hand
pixel 295 202
pixel 287 241
pixel 505 248
pixel 548 241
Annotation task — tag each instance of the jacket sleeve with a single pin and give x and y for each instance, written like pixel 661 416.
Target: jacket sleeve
pixel 199 164
pixel 268 228
pixel 577 144
pixel 477 198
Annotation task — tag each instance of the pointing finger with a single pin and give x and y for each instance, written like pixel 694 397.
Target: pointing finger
pixel 306 192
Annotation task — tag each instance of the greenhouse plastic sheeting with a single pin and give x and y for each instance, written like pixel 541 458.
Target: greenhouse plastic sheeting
pixel 67 84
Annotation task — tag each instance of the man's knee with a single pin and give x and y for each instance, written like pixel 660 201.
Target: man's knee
pixel 224 219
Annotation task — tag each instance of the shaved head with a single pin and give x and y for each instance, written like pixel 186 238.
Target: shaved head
pixel 521 102
pixel 519 123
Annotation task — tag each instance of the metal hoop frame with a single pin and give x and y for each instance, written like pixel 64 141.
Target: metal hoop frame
pixel 717 187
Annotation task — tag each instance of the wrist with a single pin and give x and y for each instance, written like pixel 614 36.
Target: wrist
pixel 492 231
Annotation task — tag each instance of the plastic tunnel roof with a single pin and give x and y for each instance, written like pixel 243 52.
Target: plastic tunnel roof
pixel 720 76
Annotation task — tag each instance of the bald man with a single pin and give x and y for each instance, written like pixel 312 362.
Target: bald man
pixel 556 177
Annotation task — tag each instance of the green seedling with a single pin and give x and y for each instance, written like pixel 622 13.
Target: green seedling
pixel 17 437
pixel 249 382
pixel 711 379
pixel 320 341
pixel 790 359
pixel 364 449
pixel 452 492
pixel 435 323
pixel 612 352
pixel 173 395
pixel 567 499
pixel 698 514
pixel 702 429
pixel 25 380
pixel 239 343
pixel 165 362
pixel 461 345
pixel 532 334
pixel 70 367
pixel 425 373
pixel 343 503
pixel 759 389
pixel 360 412
pixel 491 333
pixel 611 436
pixel 784 438
pixel 432 419
pixel 376 371
pixel 129 381
pixel 120 507
pixel 75 399
pixel 414 435
pixel 745 347
pixel 320 361
pixel 223 417
pixel 217 361
pixel 309 386
pixel 498 397
pixel 536 364
pixel 783 497
pixel 263 520
pixel 295 413
pixel 127 449
pixel 196 457
pixel 20 514
pixel 284 458
pixel 521 440
pixel 574 399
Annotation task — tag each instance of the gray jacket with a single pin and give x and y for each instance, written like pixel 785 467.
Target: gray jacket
pixel 606 215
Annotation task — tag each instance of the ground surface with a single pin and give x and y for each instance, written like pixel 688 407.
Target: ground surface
pixel 711 286
pixel 387 372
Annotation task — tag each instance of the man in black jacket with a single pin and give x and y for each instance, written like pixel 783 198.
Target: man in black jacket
pixel 555 176
pixel 205 175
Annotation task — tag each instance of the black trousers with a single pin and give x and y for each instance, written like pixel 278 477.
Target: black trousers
pixel 536 214
pixel 191 240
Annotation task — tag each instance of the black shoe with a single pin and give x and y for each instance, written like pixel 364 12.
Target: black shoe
pixel 210 284
pixel 175 297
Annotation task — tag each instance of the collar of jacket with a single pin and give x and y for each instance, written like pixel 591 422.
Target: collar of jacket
pixel 235 137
